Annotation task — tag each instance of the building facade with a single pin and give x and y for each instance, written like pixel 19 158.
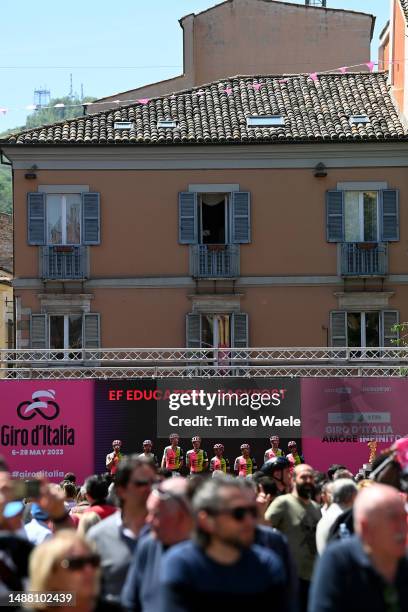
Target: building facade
pixel 271 213
pixel 251 37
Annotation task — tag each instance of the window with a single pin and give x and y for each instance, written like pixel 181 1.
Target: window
pixel 122 125
pixel 65 331
pixel 361 216
pixel 265 121
pixel 217 330
pixel 363 328
pixel 213 219
pixel 167 123
pixel 355 119
pixel 63 219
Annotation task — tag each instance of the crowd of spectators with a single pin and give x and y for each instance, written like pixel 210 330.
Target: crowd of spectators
pixel 145 538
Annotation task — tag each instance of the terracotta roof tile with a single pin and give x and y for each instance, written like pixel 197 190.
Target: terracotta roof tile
pixel 216 113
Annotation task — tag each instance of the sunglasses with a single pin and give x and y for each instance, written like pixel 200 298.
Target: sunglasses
pixel 143 482
pixel 239 513
pixel 78 563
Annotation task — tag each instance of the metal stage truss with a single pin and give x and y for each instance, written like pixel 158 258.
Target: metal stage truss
pixel 125 363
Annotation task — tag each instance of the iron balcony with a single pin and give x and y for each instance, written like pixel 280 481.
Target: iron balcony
pixel 364 259
pixel 214 260
pixel 60 262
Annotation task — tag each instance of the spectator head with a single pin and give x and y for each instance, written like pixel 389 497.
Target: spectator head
pixel 225 513
pixel 327 493
pixel 365 482
pixel 304 481
pixel 163 474
pixel 69 489
pixel 65 562
pixel 279 469
pixel 380 520
pixel 333 468
pixel 266 485
pixel 133 482
pixel 342 473
pixel 344 492
pixel 70 477
pixel 169 511
pixel 96 489
pixel 87 520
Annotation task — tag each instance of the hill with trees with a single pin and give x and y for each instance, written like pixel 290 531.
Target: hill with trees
pixel 41 116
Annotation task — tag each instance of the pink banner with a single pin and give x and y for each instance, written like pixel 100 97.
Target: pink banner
pixel 340 416
pixel 47 426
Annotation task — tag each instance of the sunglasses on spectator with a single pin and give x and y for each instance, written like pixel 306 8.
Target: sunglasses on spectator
pixel 78 563
pixel 143 482
pixel 238 513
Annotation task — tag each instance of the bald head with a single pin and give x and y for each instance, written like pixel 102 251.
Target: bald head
pixel 304 481
pixel 380 520
pixel 303 467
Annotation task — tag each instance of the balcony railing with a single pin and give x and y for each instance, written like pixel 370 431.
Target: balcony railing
pixel 364 259
pixel 214 260
pixel 60 262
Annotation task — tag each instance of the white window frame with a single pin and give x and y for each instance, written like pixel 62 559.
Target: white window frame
pixel 361 213
pixel 363 337
pixel 66 330
pixel 64 242
pixel 227 220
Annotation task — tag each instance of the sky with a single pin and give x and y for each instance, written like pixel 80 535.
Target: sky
pixel 107 46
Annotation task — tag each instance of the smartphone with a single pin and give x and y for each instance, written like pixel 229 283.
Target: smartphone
pixel 22 489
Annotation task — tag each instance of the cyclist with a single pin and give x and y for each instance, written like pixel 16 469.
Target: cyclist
pixel 147 452
pixel 245 465
pixel 112 459
pixel 279 469
pixel 274 451
pixel 196 458
pixel 219 462
pixel 294 457
pixel 173 456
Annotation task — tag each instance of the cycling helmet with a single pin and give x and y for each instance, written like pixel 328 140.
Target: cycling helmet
pixel 292 444
pixel 147 442
pixel 196 439
pixel 245 446
pixel 218 447
pixel 275 464
pixel 274 438
pixel 116 443
pixel 173 436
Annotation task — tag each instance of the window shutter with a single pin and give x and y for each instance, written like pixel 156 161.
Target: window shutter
pixel 36 218
pixel 38 331
pixel 91 222
pixel 188 218
pixel 335 216
pixel 389 215
pixel 338 329
pixel 193 330
pixel 91 330
pixel 239 330
pixel 241 217
pixel 389 318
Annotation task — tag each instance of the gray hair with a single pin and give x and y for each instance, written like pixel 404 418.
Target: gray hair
pixel 208 496
pixel 343 491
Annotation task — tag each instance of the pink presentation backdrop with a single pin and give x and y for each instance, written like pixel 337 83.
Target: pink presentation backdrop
pixel 61 443
pixel 358 409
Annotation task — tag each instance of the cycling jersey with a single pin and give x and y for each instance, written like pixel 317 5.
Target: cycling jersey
pixel 295 459
pixel 219 464
pixel 195 460
pixel 150 456
pixel 271 453
pixel 173 459
pixel 245 466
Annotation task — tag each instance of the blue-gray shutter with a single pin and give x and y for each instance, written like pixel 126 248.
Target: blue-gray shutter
pixel 338 328
pixel 188 210
pixel 91 330
pixel 91 218
pixel 36 218
pixel 389 319
pixel 389 215
pixel 193 330
pixel 38 331
pixel 335 216
pixel 239 330
pixel 241 217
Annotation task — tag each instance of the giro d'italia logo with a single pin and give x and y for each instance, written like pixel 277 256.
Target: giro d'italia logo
pixel 42 403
